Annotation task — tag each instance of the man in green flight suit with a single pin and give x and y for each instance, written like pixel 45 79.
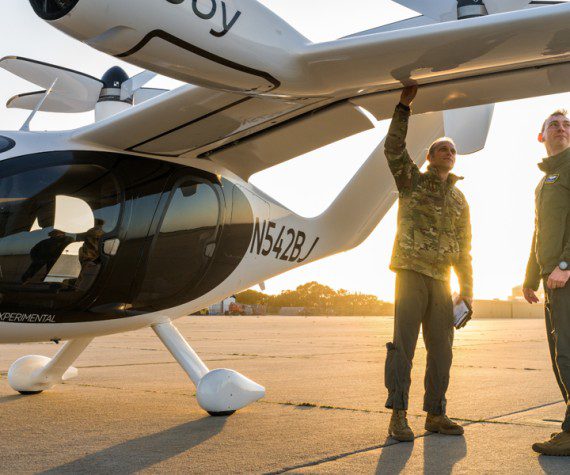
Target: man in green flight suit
pixel 550 261
pixel 434 234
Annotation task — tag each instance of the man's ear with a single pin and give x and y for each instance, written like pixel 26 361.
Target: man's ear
pixel 541 138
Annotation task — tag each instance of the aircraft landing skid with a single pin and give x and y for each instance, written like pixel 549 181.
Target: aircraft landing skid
pixel 220 392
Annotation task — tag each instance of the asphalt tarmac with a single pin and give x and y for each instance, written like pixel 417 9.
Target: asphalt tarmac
pixel 132 409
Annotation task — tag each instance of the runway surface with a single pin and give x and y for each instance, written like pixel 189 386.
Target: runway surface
pixel 132 409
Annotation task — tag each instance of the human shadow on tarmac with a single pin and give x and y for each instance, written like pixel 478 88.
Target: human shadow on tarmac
pixel 442 452
pixel 554 465
pixel 393 458
pixel 139 454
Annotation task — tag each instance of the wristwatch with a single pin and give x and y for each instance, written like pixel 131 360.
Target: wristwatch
pixel 563 265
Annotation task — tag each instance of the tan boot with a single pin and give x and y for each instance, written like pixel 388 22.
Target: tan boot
pixel 399 428
pixel 443 425
pixel 558 445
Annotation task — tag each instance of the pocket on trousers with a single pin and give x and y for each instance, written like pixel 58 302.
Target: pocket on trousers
pixel 391 374
pixel 397 370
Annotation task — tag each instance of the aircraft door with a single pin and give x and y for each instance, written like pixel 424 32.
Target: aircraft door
pixel 183 245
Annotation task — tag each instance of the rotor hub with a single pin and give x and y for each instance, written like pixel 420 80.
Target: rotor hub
pixel 470 9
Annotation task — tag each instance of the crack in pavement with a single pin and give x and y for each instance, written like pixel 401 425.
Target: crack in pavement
pixel 333 458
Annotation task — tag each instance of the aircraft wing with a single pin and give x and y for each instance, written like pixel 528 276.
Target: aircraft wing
pixel 479 63
pixel 439 52
pixel 191 120
pixel 249 134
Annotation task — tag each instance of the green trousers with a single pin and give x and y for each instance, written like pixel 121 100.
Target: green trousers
pixel 557 310
pixel 426 302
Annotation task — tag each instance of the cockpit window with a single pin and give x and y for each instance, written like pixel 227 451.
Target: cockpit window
pixel 6 144
pixel 53 222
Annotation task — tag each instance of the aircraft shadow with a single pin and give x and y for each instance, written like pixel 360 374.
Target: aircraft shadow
pixel 138 454
pixel 7 399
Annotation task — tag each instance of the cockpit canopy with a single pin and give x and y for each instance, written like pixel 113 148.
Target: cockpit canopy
pixel 6 144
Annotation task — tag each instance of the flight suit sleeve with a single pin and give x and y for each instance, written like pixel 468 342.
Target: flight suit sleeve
pixel 532 277
pixel 566 200
pixel 404 170
pixel 463 266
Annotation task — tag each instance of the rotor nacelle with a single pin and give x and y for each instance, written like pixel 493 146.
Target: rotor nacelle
pixel 226 44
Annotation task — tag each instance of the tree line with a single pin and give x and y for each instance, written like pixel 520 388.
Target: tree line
pixel 319 299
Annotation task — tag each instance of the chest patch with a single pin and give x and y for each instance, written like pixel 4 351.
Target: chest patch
pixel 550 179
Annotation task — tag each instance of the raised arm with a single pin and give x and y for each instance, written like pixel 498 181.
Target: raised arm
pixel 403 168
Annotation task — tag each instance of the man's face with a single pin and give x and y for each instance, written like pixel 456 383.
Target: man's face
pixel 556 133
pixel 443 157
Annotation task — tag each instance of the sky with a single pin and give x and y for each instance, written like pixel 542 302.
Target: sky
pixel 499 181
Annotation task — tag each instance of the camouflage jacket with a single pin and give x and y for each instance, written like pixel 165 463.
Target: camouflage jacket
pixel 551 239
pixel 434 228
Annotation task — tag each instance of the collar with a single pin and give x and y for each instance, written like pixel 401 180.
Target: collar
pixel 451 178
pixel 553 163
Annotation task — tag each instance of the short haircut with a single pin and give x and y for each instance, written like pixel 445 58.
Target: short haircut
pixel 432 147
pixel 562 112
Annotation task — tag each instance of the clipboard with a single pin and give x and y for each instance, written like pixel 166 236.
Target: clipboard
pixel 462 312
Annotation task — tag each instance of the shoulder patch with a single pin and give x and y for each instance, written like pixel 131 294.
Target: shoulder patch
pixel 551 179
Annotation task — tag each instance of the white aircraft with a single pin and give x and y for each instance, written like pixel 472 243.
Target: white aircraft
pixel 147 215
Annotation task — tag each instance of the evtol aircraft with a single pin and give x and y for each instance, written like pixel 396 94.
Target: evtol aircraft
pixel 147 215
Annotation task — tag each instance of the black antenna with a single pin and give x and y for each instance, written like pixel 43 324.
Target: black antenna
pixel 470 9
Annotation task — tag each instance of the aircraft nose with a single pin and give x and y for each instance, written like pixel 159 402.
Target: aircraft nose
pixel 52 9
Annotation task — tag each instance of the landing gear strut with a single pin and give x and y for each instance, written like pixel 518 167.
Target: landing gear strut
pixel 220 392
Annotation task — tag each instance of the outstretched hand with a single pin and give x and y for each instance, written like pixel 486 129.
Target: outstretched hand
pixel 408 95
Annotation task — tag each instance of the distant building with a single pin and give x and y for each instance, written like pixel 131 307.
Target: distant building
pixel 517 294
pixel 223 307
pixel 506 309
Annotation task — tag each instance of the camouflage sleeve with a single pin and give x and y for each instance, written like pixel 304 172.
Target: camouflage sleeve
pixel 401 165
pixel 532 277
pixel 463 266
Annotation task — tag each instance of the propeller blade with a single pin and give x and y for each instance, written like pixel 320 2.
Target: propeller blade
pixel 469 127
pixel 136 82
pixel 53 103
pixel 71 84
pixel 145 93
pixel 441 10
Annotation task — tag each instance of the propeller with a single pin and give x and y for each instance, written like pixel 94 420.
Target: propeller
pixel 73 91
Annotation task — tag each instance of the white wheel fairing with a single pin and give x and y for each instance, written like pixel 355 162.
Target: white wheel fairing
pixel 21 373
pixel 24 374
pixel 225 390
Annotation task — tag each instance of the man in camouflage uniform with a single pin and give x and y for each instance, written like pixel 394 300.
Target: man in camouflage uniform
pixel 434 234
pixel 550 261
